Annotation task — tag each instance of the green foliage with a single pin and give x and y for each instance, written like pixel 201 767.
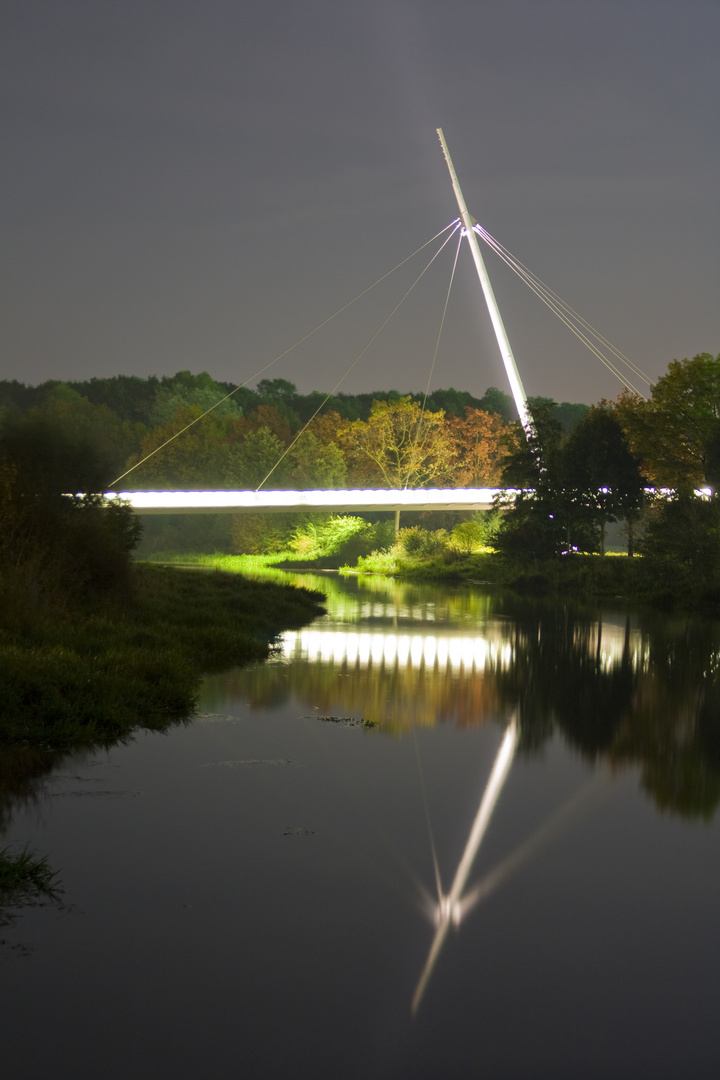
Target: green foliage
pixel 339 540
pixel 420 542
pixel 256 534
pixel 569 487
pixel 677 433
pixel 326 537
pixel 682 548
pixel 315 464
pixel 497 401
pixel 478 532
pixel 249 461
pixel 185 390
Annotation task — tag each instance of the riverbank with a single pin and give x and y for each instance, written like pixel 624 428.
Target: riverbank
pixel 90 673
pixel 662 584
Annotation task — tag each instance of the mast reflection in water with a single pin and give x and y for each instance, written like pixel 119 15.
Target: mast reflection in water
pixel 246 892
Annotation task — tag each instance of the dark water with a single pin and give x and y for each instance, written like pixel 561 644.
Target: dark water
pixel 255 895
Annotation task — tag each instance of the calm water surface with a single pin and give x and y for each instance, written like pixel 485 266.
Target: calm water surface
pixel 441 834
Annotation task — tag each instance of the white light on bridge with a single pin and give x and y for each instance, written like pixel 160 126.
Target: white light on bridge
pixel 230 502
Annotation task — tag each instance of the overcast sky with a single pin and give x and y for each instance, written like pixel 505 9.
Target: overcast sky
pixel 195 185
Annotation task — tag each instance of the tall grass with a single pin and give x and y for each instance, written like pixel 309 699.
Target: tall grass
pixel 26 874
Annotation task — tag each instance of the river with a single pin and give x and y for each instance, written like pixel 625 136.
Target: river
pixel 441 833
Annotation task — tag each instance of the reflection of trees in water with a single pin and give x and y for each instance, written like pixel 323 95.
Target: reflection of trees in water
pixel 657 708
pixel 643 691
pixel 397 697
pixel 673 731
pixel 372 596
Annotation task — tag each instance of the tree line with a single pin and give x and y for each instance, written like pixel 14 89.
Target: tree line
pixel 244 436
pixel 583 467
pixel 619 463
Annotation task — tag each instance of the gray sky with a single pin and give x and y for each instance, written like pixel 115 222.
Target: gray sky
pixel 195 185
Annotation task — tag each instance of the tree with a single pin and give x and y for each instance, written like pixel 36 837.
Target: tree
pixel 54 544
pixel 270 417
pixel 497 401
pixel 399 446
pixel 543 515
pixel 185 390
pixel 676 434
pixel 191 459
pixel 602 472
pixel 682 545
pixel 315 464
pixel 482 443
pixel 249 461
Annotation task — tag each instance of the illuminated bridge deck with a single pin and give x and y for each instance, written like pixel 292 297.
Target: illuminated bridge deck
pixel 234 502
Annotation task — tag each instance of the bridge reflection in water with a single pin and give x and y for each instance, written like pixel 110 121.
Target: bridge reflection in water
pixel 614 686
pixel 362 649
pixel 459 655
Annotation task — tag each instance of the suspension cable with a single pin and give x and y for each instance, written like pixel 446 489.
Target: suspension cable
pixel 437 346
pixel 567 315
pixel 362 352
pixel 442 324
pixel 453 225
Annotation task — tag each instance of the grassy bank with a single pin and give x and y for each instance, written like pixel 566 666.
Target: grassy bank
pixel 636 579
pixel 80 676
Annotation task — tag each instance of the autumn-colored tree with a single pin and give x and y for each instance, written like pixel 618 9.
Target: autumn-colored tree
pixel 326 426
pixel 482 441
pixel 399 446
pixel 266 416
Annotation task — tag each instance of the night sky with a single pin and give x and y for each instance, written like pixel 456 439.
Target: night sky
pixel 195 185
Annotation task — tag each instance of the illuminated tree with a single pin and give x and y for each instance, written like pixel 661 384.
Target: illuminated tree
pixel 399 446
pixel 482 446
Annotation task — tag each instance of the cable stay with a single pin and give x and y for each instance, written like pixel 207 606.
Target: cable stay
pixel 319 326
pixel 469 228
pixel 455 225
pixel 579 326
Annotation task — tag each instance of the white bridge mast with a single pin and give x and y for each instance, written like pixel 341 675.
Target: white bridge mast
pixel 468 221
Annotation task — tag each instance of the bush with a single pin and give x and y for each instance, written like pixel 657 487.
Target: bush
pixel 420 543
pixel 477 533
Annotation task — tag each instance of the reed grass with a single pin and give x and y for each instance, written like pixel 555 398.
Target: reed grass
pixel 25 874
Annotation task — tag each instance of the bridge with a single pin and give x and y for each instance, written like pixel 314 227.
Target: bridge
pixel 266 501
pixel 234 502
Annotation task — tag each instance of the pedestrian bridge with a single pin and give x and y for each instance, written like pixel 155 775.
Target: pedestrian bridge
pixel 340 501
